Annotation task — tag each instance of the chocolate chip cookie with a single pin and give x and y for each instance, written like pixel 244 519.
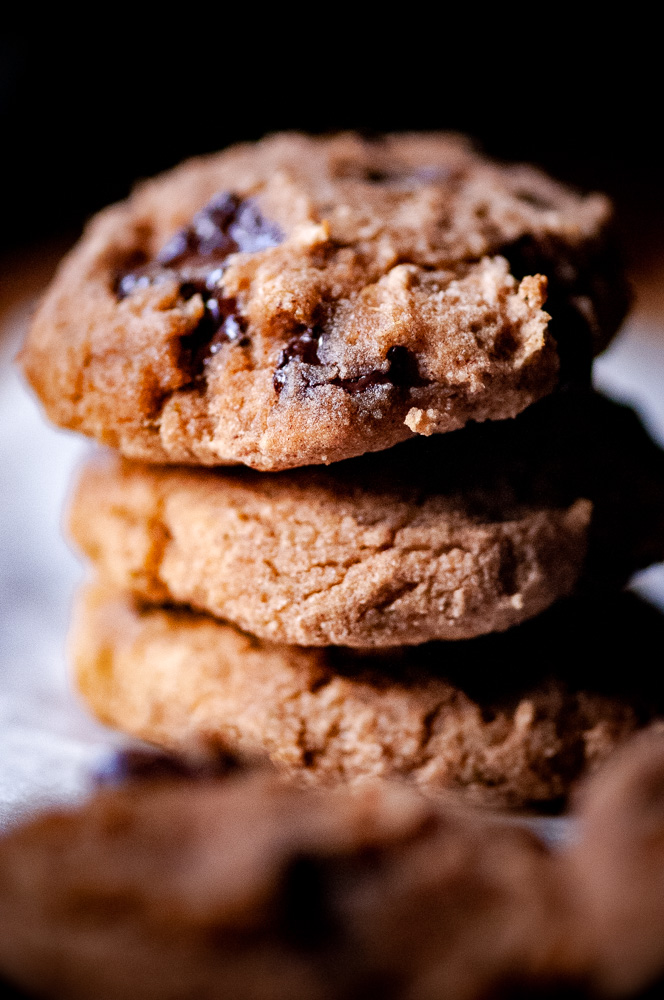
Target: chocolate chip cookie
pixel 248 889
pixel 303 300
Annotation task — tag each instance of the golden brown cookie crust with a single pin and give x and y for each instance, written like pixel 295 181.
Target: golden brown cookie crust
pixel 325 558
pixel 188 682
pixel 446 537
pixel 395 245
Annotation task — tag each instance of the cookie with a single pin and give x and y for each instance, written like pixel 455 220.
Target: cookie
pixel 617 867
pixel 304 300
pixel 322 561
pixel 248 889
pixel 509 720
pixel 446 538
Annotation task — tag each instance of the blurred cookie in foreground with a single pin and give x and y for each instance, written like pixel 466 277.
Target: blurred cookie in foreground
pixel 446 538
pixel 511 719
pixel 618 866
pixel 246 887
pixel 302 300
pixel 250 889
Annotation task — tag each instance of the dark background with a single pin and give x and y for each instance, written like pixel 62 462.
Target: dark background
pixel 86 112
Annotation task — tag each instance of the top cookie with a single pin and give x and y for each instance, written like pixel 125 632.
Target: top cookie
pixel 303 300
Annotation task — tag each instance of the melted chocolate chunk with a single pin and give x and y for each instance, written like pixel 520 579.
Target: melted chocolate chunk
pixel 221 324
pixel 402 373
pixel 137 764
pixel 226 225
pixel 303 347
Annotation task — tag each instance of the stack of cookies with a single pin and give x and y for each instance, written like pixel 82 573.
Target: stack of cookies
pixel 367 515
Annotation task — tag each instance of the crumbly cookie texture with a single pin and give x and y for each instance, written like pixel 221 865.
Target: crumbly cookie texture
pixel 248 889
pixel 480 716
pixel 323 561
pixel 446 538
pixel 303 300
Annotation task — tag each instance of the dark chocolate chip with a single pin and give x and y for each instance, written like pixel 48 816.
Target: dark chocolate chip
pixel 403 367
pixel 220 324
pixel 137 764
pixel 307 919
pixel 228 224
pixel 206 236
pixel 402 373
pixel 302 347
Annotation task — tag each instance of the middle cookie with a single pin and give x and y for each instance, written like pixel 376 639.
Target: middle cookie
pixel 316 560
pixel 447 538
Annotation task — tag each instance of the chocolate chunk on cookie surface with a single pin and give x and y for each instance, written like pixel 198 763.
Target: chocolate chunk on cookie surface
pixel 507 720
pixel 304 300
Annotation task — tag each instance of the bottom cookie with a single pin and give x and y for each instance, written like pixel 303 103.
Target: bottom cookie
pixel 512 719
